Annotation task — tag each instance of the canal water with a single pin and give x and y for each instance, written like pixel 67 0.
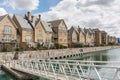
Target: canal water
pixel 107 55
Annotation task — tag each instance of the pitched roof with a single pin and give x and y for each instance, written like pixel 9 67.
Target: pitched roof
pixel 22 21
pixel 81 30
pixel 96 29
pixel 103 32
pixel 55 23
pixel 36 20
pixel 46 26
pixel 89 31
pixel 73 28
pixel 2 17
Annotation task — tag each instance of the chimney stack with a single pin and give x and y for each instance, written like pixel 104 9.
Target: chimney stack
pixel 78 26
pixel 39 17
pixel 32 18
pixel 28 15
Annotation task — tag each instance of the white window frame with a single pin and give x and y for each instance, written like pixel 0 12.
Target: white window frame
pixel 28 39
pixel 7 30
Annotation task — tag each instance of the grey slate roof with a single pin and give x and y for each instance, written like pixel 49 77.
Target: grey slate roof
pixel 1 17
pixel 72 29
pixel 55 23
pixel 96 29
pixel 36 20
pixel 88 31
pixel 22 21
pixel 81 30
pixel 47 26
pixel 103 32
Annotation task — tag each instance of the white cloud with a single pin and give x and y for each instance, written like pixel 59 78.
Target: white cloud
pixel 2 11
pixel 22 4
pixel 103 14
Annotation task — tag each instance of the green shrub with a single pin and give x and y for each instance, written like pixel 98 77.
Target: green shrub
pixel 7 48
pixel 59 46
pixel 77 45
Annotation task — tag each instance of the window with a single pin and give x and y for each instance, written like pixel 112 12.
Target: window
pixel 60 33
pixel 28 31
pixel 65 40
pixel 28 39
pixel 40 39
pixel 7 38
pixel 7 30
pixel 40 31
pixel 65 33
pixel 47 40
pixel 59 29
pixel 47 33
pixel 74 40
pixel 60 39
pixel 1 37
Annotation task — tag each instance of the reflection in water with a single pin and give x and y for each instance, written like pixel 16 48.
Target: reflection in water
pixel 94 56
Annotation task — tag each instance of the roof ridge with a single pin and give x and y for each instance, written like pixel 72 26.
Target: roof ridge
pixel 56 20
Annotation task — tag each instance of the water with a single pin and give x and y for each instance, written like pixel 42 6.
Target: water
pixel 108 55
pixel 5 76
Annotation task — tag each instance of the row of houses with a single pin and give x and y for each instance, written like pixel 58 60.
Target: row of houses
pixel 28 30
pixel 89 37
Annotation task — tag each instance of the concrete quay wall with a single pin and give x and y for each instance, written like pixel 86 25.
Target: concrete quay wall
pixel 53 53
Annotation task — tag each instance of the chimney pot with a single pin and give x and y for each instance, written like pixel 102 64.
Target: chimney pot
pixel 78 26
pixel 39 17
pixel 32 18
pixel 28 15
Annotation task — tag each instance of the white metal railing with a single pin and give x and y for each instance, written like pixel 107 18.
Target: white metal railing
pixel 69 69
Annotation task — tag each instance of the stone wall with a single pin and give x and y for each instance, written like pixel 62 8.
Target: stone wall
pixel 53 54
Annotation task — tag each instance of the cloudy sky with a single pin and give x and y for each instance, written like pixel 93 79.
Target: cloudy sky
pixel 102 14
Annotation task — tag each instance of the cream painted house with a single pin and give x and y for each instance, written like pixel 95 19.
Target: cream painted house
pixel 42 30
pixel 59 32
pixel 25 31
pixel 104 37
pixel 98 37
pixel 89 37
pixel 8 31
pixel 72 36
pixel 112 39
pixel 81 38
